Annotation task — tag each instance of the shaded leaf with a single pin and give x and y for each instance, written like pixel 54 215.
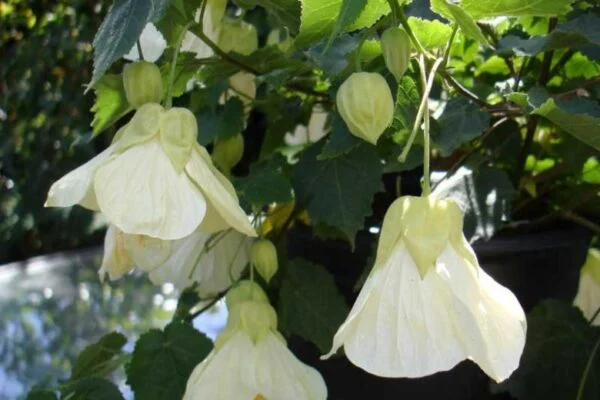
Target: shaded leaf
pixel 456 14
pixel 41 394
pixel 340 141
pixel 310 304
pixel 223 122
pixel 516 8
pixel 338 191
pixel 93 388
pixel 264 185
pixel 111 103
pixel 93 359
pixel 335 60
pixel 162 361
pixel 461 122
pixel 120 29
pixel 349 12
pixel 286 11
pixel 558 348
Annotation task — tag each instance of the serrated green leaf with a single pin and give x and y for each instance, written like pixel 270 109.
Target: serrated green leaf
pixel 516 8
pixel 319 18
pixel 265 185
pixel 120 29
pixel 557 350
pixel 335 60
pixel 340 141
pixel 223 122
pixel 432 34
pixel 456 14
pixel 472 191
pixel 287 12
pixel 310 304
pixel 94 358
pixel 41 394
pixel 579 117
pixel 460 122
pixel 349 12
pixel 407 104
pixel 338 191
pixel 93 388
pixel 162 361
pixel 111 103
pixel 186 68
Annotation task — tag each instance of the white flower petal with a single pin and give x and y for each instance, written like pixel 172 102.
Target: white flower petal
pixel 148 253
pixel 242 370
pixel 213 270
pixel 316 124
pixel 227 205
pixel 115 260
pixel 141 193
pixel 75 187
pixel 153 45
pixel 405 326
pixel 588 297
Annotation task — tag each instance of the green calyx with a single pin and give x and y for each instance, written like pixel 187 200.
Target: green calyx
pixel 238 36
pixel 143 83
pixel 228 152
pixel 425 226
pixel 263 256
pixel 396 47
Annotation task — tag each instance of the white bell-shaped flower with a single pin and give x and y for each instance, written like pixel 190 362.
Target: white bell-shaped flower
pixel 250 359
pixel 155 180
pixel 211 261
pixel 588 294
pixel 211 23
pixel 427 305
pixel 152 42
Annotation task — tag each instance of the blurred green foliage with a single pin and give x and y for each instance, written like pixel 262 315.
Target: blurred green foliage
pixel 46 53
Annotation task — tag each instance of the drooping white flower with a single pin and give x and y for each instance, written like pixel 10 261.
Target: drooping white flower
pixel 211 24
pixel 427 305
pixel 588 294
pixel 155 180
pixel 152 42
pixel 311 134
pixel 250 359
pixel 212 261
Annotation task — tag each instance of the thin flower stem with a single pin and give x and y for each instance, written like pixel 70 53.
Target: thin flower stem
pixel 169 99
pixel 586 371
pixel 422 106
pixel 139 49
pixel 426 154
pixel 594 316
pixel 407 28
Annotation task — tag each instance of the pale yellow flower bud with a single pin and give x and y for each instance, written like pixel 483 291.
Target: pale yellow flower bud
pixel 143 83
pixel 238 36
pixel 263 255
pixel 227 153
pixel 366 105
pixel 395 45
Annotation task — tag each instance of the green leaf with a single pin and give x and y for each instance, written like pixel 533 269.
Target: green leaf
pixel 432 34
pixel 162 361
pixel 186 68
pixel 340 141
pixel 93 388
pixel 575 34
pixel 120 29
pixel 188 299
pixel 335 60
pixel 485 195
pixel 461 122
pixel 557 350
pixel 111 103
pixel 41 394
pixel 310 304
pixel 94 358
pixel 579 117
pixel 223 122
pixel 407 105
pixel 287 12
pixel 349 12
pixel 264 185
pixel 516 8
pixel 338 191
pixel 319 18
pixel 456 14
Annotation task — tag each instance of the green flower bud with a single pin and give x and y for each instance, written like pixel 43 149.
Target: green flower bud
pixel 227 153
pixel 238 36
pixel 366 105
pixel 263 255
pixel 143 83
pixel 275 39
pixel 395 45
pixel 245 291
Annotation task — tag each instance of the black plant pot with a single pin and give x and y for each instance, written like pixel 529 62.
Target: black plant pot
pixel 534 265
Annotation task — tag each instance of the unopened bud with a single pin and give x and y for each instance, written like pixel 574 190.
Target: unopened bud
pixel 280 39
pixel 227 153
pixel 366 105
pixel 143 83
pixel 238 36
pixel 263 255
pixel 395 45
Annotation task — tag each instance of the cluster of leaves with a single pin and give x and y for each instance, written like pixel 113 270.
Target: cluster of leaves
pixel 517 118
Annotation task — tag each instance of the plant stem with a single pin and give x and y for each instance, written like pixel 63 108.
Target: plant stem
pixel 169 99
pixel 448 46
pixel 463 90
pixel 594 316
pixel 571 216
pixel 214 301
pixel 426 154
pixel 407 28
pixel 139 49
pixel 586 371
